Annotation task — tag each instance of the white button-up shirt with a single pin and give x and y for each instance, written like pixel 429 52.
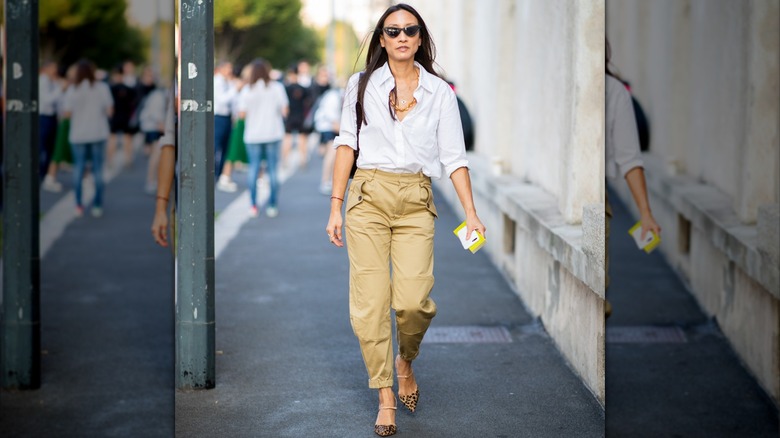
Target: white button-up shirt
pixel 429 139
pixel 622 152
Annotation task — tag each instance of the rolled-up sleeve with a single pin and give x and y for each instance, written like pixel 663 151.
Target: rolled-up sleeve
pixel 625 138
pixel 449 135
pixel 348 126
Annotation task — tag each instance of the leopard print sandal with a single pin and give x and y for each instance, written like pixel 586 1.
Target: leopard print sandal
pixel 410 401
pixel 385 429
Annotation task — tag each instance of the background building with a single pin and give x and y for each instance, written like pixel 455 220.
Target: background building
pixel 532 75
pixel 707 75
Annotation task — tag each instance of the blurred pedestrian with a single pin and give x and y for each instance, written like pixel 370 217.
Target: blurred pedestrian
pixel 318 88
pixel 49 97
pixel 404 120
pixel 152 123
pixel 236 152
pixel 623 157
pixel 146 86
pixel 63 156
pixel 326 121
pixel 263 104
pixel 88 105
pixel 124 97
pixel 303 71
pixel 224 97
pixel 295 133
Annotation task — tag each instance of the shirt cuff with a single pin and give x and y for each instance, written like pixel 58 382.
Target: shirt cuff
pixel 455 166
pixel 344 140
pixel 626 167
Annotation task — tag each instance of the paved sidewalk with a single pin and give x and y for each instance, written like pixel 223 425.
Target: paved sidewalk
pixel 692 385
pixel 106 325
pixel 288 364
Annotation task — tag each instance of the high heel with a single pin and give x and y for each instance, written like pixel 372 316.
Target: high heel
pixel 410 401
pixel 385 429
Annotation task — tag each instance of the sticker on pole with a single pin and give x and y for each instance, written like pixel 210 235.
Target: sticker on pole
pixel 474 243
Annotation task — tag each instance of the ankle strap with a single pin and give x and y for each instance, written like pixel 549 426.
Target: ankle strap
pixel 387 407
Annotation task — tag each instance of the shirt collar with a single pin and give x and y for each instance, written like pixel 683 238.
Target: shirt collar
pixel 384 77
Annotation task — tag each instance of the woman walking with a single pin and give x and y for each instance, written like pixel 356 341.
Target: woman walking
pixel 89 105
pixel 263 104
pixel 404 119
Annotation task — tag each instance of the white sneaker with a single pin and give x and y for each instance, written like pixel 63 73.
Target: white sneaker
pixel 226 185
pixel 326 188
pixel 51 185
pixel 97 212
pixel 150 188
pixel 272 212
pixel 253 211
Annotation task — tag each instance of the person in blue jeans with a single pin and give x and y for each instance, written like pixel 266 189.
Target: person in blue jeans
pixel 263 104
pixel 224 93
pixel 89 105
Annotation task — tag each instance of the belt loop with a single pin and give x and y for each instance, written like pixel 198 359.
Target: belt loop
pixel 373 174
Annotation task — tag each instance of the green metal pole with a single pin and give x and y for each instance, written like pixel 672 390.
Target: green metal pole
pixel 195 244
pixel 21 325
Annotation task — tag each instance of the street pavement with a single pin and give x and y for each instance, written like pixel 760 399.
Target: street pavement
pixel 691 385
pixel 288 364
pixel 106 322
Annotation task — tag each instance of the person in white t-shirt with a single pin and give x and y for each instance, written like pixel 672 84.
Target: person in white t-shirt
pixel 263 104
pixel 410 132
pixel 88 104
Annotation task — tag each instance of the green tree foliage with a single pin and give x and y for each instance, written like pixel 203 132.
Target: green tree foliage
pixel 94 29
pixel 346 46
pixel 272 29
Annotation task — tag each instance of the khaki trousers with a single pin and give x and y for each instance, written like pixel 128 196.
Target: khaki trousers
pixel 389 223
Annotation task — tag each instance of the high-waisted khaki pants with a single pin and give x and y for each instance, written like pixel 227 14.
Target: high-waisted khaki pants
pixel 389 222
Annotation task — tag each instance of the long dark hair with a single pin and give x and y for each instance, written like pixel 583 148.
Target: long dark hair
pixel 377 55
pixel 261 69
pixel 85 69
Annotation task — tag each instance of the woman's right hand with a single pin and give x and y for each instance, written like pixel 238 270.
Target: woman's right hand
pixel 160 227
pixel 334 226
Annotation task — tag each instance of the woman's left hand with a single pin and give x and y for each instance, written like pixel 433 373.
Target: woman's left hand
pixel 649 224
pixel 473 223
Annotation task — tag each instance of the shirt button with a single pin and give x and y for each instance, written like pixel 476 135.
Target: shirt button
pixel 360 198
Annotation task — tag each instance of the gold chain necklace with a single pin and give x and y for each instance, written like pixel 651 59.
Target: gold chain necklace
pixel 410 105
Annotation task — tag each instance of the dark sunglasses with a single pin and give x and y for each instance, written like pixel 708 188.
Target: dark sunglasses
pixel 393 32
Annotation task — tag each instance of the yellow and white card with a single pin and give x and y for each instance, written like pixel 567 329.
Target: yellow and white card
pixel 474 243
pixel 650 241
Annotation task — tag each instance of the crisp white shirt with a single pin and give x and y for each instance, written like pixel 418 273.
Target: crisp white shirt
pixel 49 94
pixel 622 142
pixel 88 106
pixel 224 95
pixel 263 105
pixel 428 139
